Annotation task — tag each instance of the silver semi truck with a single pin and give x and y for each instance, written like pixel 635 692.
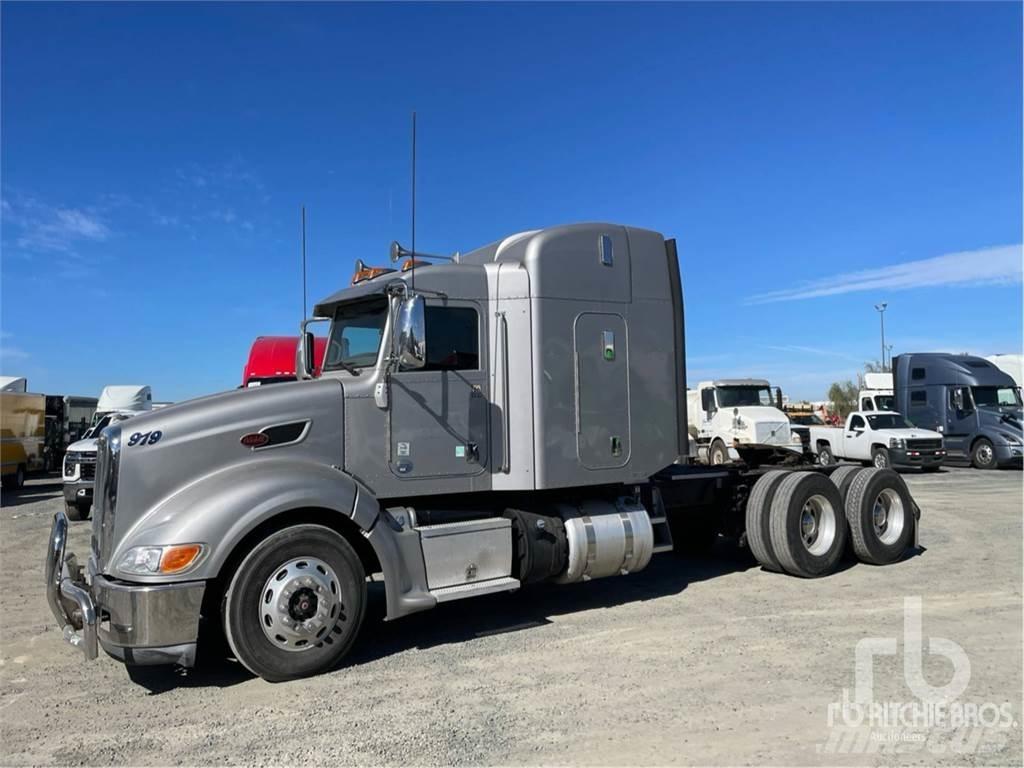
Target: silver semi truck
pixel 514 416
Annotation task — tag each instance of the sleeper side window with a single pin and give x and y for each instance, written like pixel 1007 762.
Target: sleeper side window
pixel 918 397
pixel 453 338
pixel 917 374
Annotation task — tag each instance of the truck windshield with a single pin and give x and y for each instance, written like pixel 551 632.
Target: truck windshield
pixel 885 402
pixel 734 397
pixel 806 419
pixel 356 334
pixel 996 397
pixel 888 421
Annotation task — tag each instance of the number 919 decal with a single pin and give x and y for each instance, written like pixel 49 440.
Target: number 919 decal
pixel 145 438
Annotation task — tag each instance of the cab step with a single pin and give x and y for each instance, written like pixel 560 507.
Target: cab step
pixel 472 589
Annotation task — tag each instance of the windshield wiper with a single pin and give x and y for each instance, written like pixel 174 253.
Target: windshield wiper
pixel 348 367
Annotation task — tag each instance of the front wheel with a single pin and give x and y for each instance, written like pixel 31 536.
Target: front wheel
pixel 295 605
pixel 718 454
pixel 825 457
pixel 77 510
pixel 880 457
pixel 983 455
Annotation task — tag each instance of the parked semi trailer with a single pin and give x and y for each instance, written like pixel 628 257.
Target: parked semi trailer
pixel 508 418
pixel 23 427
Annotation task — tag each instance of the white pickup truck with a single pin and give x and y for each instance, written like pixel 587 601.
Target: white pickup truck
pixel 881 438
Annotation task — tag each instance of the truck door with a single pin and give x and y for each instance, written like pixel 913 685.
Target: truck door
pixel 857 440
pixel 961 420
pixel 602 390
pixel 439 414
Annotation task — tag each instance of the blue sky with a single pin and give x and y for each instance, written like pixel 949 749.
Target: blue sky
pixel 810 159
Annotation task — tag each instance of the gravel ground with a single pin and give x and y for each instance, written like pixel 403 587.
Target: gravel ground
pixel 689 662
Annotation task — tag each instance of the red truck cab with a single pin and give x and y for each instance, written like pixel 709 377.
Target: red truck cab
pixel 272 360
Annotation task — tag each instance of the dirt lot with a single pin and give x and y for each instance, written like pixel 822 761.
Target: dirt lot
pixel 689 662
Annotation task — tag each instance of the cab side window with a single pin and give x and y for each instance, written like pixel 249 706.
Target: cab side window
pixel 865 404
pixel 453 338
pixel 856 423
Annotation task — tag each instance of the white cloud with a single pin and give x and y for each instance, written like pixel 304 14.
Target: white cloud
pixel 999 265
pixel 43 228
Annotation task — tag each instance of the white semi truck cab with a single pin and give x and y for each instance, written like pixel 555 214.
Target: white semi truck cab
pixel 741 419
pixel 877 394
pixel 511 417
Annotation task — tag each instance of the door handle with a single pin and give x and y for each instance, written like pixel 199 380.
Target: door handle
pixel 506 441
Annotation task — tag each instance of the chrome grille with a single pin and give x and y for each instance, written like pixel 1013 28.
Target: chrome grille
pixel 925 444
pixel 105 494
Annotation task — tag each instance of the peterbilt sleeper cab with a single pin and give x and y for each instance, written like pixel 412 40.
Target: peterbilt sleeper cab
pixel 511 417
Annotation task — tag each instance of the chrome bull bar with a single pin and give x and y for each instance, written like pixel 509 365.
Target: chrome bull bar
pixel 70 602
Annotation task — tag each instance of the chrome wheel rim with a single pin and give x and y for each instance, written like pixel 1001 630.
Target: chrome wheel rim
pixel 880 461
pixel 717 456
pixel 817 525
pixel 300 604
pixel 887 516
pixel 985 454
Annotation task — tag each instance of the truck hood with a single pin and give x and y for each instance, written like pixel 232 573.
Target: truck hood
pixel 914 433
pixel 164 451
pixel 83 446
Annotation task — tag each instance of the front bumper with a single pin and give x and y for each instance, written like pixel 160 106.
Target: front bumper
pixel 1008 454
pixel 78 491
pixel 135 623
pixel 916 457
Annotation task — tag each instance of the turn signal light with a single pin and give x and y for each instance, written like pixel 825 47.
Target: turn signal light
pixel 179 557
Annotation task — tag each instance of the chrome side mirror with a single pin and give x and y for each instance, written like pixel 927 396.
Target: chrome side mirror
pixel 412 340
pixel 305 356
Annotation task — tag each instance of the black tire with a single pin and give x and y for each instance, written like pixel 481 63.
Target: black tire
pixel 983 455
pixel 813 552
pixel 758 518
pixel 19 477
pixel 886 543
pixel 718 453
pixel 841 479
pixel 825 457
pixel 880 458
pixel 244 600
pixel 934 468
pixel 77 510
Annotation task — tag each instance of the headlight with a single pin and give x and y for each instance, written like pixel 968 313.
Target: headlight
pixel 794 437
pixel 145 561
pixel 1011 439
pixel 70 465
pixel 897 442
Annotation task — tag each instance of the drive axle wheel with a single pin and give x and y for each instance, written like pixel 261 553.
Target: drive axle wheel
pixel 758 518
pixel 842 478
pixel 295 604
pixel 808 528
pixel 880 513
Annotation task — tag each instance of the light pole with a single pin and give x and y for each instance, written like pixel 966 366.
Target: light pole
pixel 881 316
pixel 888 348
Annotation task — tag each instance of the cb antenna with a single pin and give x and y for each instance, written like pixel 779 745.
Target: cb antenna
pixel 303 263
pixel 412 275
